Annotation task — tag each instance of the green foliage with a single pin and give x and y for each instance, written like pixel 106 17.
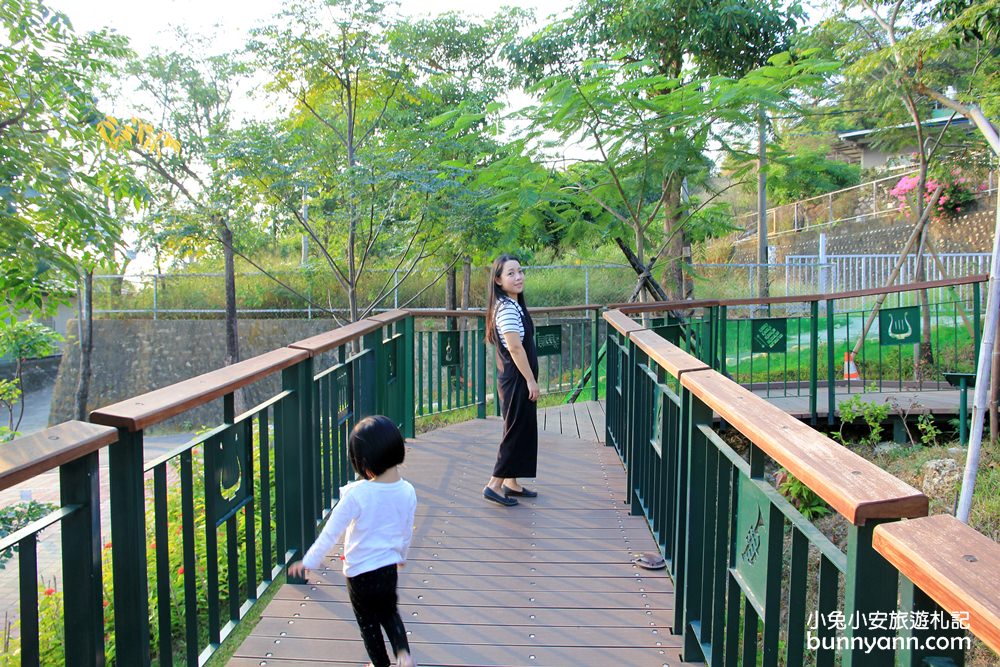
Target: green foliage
pixel 26 339
pixel 15 517
pixel 21 340
pixel 801 496
pixel 58 179
pixel 808 174
pixel 873 414
pixel 928 430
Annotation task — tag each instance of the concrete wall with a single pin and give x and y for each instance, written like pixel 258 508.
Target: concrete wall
pixel 132 357
pixel 35 373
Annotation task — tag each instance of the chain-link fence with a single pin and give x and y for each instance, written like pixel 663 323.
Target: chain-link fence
pixel 312 293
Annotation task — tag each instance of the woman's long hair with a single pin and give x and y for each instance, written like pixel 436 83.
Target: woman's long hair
pixel 493 295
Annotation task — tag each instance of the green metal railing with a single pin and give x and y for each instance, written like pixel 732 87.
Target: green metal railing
pixel 750 571
pixel 199 533
pixel 454 366
pixel 816 331
pixel 202 531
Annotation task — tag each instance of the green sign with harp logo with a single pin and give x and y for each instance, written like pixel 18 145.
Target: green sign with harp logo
pixel 899 326
pixel 449 348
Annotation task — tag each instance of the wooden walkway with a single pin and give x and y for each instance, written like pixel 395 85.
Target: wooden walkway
pixel 549 582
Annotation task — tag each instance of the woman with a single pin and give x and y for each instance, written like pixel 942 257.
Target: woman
pixel 509 327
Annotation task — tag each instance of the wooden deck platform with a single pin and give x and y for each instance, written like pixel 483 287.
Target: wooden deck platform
pixel 912 401
pixel 549 582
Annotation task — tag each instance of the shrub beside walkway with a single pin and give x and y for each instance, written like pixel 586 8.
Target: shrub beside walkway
pixel 549 582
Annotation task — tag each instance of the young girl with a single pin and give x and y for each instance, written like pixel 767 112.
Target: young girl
pixel 510 328
pixel 376 513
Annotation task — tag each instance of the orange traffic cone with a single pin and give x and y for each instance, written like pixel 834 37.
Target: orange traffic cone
pixel 850 370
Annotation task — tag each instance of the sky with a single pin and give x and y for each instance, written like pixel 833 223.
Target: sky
pixel 147 23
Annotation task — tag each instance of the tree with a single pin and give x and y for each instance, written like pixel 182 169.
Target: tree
pixel 21 341
pixel 677 40
pixel 195 188
pixel 377 178
pixel 55 172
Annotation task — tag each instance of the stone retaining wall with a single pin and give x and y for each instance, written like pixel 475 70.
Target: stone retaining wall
pixel 132 357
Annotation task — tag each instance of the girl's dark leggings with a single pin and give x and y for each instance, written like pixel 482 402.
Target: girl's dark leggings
pixel 373 596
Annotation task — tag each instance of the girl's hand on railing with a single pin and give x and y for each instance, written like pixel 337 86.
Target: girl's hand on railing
pixel 297 569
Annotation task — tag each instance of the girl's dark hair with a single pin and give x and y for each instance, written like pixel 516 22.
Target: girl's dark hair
pixel 375 446
pixel 494 294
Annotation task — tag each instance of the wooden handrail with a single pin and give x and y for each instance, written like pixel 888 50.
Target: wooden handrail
pixel 952 563
pixel 31 455
pixel 545 310
pixel 336 337
pixel 621 323
pixel 151 408
pixel 433 312
pixel 389 316
pixel 671 358
pixel 856 488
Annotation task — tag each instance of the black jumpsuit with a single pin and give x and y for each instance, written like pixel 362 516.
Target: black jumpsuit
pixel 518 453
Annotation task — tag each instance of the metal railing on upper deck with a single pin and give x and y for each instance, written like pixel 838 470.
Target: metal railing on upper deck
pixel 755 581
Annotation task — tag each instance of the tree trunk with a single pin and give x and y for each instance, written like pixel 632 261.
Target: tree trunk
pixel 763 290
pixel 466 286
pixel 925 359
pixel 85 306
pixel 232 332
pixel 672 278
pixel 450 297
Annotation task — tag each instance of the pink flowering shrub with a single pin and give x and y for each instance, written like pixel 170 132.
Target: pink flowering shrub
pixel 957 194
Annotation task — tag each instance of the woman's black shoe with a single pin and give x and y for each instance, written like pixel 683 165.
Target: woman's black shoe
pixel 490 494
pixel 525 492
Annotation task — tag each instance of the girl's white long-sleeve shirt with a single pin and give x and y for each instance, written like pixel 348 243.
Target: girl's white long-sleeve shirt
pixel 376 521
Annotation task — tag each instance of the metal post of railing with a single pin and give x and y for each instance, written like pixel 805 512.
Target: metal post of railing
pixel 409 405
pixel 629 372
pixel 79 484
pixel 292 430
pixel 481 369
pixel 918 647
pixel 869 589
pixel 586 285
pixel 831 376
pixel 976 320
pixel 595 328
pixel 813 361
pixel 687 596
pixel 128 552
pixel 156 279
pixel 723 333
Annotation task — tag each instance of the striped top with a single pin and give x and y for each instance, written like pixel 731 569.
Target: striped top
pixel 508 319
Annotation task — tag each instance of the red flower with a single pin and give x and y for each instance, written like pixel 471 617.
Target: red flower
pixel 180 570
pixel 107 545
pixel 50 591
pixel 152 545
pixel 106 603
